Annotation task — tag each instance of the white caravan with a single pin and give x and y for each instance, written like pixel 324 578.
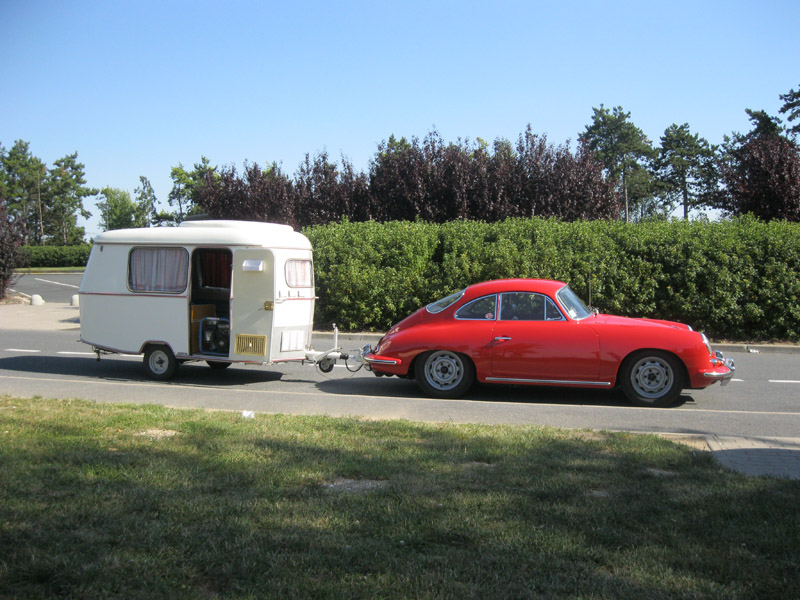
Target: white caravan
pixel 218 291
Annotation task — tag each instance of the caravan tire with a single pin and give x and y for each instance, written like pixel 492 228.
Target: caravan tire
pixel 159 363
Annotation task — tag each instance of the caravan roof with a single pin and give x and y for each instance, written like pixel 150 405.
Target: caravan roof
pixel 221 233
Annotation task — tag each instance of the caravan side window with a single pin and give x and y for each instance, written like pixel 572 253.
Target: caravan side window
pixel 299 273
pixel 158 270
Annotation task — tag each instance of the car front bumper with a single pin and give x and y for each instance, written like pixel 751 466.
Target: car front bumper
pixel 722 369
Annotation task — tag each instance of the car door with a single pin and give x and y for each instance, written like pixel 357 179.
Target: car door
pixel 534 341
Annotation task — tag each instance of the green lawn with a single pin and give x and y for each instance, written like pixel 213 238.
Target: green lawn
pixel 110 501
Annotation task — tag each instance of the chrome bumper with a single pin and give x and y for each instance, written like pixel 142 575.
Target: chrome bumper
pixel 723 377
pixel 373 359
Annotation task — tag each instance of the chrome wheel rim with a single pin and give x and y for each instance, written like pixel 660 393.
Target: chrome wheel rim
pixel 444 370
pixel 652 377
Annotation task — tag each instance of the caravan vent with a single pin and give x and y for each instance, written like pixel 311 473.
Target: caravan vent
pixel 254 345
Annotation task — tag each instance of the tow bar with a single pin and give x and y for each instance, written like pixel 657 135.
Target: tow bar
pixel 326 360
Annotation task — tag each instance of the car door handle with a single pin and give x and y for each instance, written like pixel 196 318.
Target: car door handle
pixel 502 338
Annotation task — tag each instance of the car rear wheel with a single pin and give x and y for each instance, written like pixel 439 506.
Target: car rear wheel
pixel 444 374
pixel 652 378
pixel 159 363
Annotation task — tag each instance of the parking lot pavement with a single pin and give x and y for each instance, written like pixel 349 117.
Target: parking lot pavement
pixel 47 317
pixel 779 457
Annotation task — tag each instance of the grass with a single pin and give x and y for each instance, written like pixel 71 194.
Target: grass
pixel 110 501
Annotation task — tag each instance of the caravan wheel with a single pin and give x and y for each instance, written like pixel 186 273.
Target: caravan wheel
pixel 159 363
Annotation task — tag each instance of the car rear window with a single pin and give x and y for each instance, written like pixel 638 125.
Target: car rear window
pixel 440 305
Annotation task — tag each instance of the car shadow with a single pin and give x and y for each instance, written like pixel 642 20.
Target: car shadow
pixel 481 392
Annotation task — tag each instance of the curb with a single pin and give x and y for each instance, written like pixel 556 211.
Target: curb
pixel 758 348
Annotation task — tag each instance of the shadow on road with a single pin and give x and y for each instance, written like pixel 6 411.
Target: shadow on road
pixel 525 394
pixel 127 371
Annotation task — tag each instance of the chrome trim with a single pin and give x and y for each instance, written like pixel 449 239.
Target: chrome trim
pixel 723 378
pixel 380 361
pixel 550 381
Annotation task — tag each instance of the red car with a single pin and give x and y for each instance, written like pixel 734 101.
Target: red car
pixel 538 332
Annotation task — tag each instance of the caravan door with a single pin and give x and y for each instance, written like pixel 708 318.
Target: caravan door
pixel 252 304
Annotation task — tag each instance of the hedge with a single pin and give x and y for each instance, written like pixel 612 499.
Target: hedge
pixel 55 256
pixel 733 279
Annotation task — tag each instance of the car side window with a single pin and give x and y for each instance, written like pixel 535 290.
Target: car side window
pixel 527 306
pixel 551 312
pixel 482 309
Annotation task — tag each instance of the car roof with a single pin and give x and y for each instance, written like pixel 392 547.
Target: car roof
pixel 544 286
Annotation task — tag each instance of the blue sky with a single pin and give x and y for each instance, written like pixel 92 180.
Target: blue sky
pixel 138 87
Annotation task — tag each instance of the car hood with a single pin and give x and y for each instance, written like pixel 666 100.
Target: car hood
pixel 631 322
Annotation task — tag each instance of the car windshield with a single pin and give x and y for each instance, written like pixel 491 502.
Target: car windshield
pixel 572 304
pixel 440 305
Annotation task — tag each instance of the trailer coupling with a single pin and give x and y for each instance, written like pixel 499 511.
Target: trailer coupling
pixel 326 360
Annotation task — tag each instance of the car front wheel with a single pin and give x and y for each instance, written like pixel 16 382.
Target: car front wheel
pixel 444 374
pixel 652 378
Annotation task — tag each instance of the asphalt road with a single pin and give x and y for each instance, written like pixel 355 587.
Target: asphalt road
pixel 52 287
pixel 762 400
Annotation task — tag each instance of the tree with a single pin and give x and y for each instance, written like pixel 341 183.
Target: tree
pixel 502 181
pixel 145 203
pixel 66 185
pixel 117 210
pixel 685 168
pixel 791 105
pixel 180 194
pixel 763 124
pixel 761 172
pixel 397 180
pixel 186 187
pixel 318 197
pixel 618 144
pixel 22 175
pixel 261 195
pixel 10 241
pixel 579 190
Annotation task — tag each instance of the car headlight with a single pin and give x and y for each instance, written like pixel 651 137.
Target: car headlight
pixel 707 343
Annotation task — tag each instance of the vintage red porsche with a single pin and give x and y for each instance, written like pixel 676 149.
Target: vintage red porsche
pixel 539 332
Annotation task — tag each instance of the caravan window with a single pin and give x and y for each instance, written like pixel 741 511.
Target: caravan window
pixel 299 273
pixel 158 270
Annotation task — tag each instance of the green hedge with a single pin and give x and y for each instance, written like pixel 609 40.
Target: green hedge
pixel 55 256
pixel 734 279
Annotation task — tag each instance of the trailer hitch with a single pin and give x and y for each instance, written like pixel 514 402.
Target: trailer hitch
pixel 325 361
